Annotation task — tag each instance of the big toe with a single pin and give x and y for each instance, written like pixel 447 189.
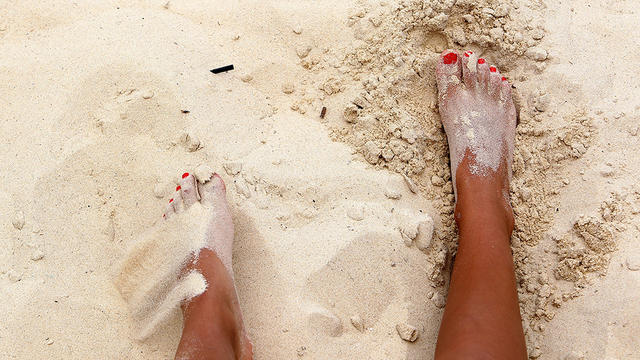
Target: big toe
pixel 448 71
pixel 213 192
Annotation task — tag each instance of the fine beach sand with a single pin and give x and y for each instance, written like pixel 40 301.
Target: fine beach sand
pixel 344 229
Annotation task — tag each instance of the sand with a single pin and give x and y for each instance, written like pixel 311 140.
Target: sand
pixel 105 104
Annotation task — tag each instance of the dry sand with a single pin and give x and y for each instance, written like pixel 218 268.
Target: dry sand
pixel 105 104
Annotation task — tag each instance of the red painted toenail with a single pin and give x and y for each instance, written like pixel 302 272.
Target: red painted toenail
pixel 493 69
pixel 185 175
pixel 450 58
pixel 178 187
pixel 170 201
pixel 481 61
pixel 468 53
pixel 504 78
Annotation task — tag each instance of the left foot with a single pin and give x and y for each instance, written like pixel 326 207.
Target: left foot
pixel 213 326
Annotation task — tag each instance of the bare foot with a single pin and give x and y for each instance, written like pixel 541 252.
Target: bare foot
pixel 213 326
pixel 479 118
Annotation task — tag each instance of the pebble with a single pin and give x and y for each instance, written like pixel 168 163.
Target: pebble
pixel 437 180
pixel 158 191
pixel 633 263
pixel 37 255
pixel 536 53
pixel 409 232
pixel 438 300
pixel 541 102
pixel 425 234
pixel 18 220
pixel 288 88
pixel 357 323
pixel 350 113
pixel 303 51
pixel 203 173
pixel 232 168
pixel 297 29
pixel 392 190
pixel 246 78
pixel 236 37
pixel 371 152
pixel 606 170
pixel 48 341
pixel 147 94
pixel 356 212
pixel 407 332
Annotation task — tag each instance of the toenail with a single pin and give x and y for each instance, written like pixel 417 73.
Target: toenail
pixel 481 61
pixel 504 78
pixel 178 187
pixel 468 53
pixel 170 201
pixel 185 175
pixel 493 69
pixel 450 58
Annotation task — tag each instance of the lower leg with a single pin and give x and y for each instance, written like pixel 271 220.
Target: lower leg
pixel 212 323
pixel 482 316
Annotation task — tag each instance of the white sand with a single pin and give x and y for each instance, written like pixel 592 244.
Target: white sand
pixel 86 152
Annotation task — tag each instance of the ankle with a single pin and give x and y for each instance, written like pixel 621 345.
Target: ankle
pixel 484 201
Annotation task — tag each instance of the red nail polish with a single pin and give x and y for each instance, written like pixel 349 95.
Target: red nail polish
pixel 185 175
pixel 504 78
pixel 450 58
pixel 178 187
pixel 481 61
pixel 170 201
pixel 468 53
pixel 493 69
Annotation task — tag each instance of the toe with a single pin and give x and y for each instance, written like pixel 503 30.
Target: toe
pixel 469 69
pixel 495 81
pixel 188 189
pixel 448 71
pixel 505 91
pixel 176 202
pixel 483 72
pixel 213 192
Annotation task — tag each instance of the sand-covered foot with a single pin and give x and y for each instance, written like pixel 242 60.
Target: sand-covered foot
pixel 213 326
pixel 479 117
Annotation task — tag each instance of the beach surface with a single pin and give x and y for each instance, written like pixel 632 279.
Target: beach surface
pixel 344 228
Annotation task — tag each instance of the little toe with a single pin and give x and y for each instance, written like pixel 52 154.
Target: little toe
pixel 213 192
pixel 505 89
pixel 188 189
pixel 483 72
pixel 169 210
pixel 469 69
pixel 448 71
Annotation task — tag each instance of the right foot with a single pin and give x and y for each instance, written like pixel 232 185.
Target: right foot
pixel 479 118
pixel 213 326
